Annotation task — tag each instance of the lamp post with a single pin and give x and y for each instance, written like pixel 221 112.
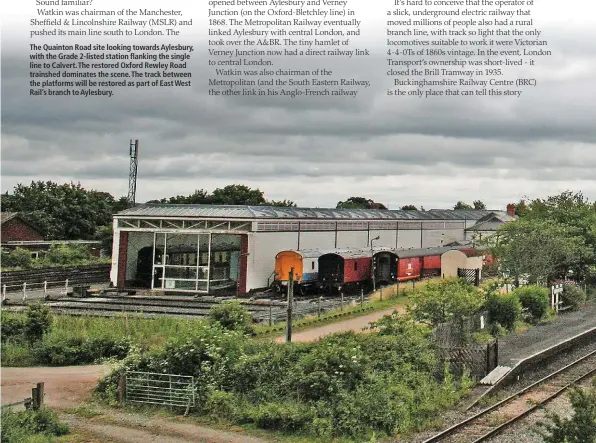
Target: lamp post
pixel 372 263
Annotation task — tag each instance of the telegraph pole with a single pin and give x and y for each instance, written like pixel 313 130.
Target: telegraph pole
pixel 290 304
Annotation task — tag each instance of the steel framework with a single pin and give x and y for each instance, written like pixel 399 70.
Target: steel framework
pixel 132 177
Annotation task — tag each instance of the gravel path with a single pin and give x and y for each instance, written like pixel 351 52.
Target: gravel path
pixel 566 325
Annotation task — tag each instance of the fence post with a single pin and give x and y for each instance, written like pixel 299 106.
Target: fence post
pixel 362 297
pixel 319 306
pixel 121 392
pixel 270 315
pixel 66 287
pixel 342 300
pixel 3 294
pixel 40 394
pixel 45 290
pixel 381 293
pixel 25 292
pixel 487 359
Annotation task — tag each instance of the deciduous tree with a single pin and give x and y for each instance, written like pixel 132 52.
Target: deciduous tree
pixel 62 212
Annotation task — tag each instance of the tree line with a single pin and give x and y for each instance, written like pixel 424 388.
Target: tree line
pixel 553 238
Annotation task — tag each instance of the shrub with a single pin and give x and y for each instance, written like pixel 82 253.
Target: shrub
pixel 581 426
pixel 12 328
pixel 38 322
pixel 504 309
pixel 231 315
pixel 497 330
pixel 534 299
pixel 18 258
pixel 573 295
pixel 282 416
pixel 66 255
pixel 220 405
pixel 26 425
pixel 78 351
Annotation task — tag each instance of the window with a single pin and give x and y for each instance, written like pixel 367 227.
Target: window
pixel 312 265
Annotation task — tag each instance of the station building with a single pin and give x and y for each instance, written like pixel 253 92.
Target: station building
pixel 207 249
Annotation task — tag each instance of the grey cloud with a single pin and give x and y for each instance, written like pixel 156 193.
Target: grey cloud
pixel 547 135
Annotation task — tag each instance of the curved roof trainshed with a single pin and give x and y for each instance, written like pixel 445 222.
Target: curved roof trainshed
pixel 259 233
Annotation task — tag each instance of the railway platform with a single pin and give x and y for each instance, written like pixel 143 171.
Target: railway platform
pixel 562 327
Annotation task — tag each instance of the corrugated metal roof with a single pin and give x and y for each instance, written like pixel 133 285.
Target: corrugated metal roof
pixel 407 253
pixel 274 212
pixel 348 254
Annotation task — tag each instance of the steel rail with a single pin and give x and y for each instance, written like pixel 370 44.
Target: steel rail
pixel 515 419
pixel 467 421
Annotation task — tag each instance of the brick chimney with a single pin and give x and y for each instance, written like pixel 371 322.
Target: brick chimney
pixel 511 209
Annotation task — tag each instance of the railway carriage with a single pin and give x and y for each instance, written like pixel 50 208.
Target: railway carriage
pixel 397 265
pixel 306 266
pixel 346 270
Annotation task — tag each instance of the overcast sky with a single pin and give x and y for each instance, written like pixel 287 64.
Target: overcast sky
pixel 315 151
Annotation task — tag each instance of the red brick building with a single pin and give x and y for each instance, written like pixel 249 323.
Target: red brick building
pixel 15 228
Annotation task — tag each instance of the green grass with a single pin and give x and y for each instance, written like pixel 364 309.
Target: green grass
pixel 153 333
pixel 314 321
pixel 148 333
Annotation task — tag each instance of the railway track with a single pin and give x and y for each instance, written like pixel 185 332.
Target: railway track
pixel 262 310
pixel 500 416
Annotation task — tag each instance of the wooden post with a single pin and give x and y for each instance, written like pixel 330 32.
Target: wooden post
pixel 290 305
pixel 381 293
pixel 270 315
pixel 37 394
pixel 362 297
pixel 34 404
pixel 66 287
pixel 40 394
pixel 319 306
pixel 45 290
pixel 120 393
pixel 24 292
pixel 342 300
pixel 488 359
pixel 3 294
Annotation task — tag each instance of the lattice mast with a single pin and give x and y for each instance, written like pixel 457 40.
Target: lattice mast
pixel 132 177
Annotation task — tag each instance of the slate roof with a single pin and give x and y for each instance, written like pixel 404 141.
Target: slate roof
pixel 491 222
pixel 5 216
pixel 271 212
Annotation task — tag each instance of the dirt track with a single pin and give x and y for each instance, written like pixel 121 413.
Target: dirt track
pixel 64 386
pixel 354 324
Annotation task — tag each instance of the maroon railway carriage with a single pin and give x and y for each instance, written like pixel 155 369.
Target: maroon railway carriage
pixel 345 271
pixel 393 265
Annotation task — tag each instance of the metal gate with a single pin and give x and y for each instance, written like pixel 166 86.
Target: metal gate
pixel 160 389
